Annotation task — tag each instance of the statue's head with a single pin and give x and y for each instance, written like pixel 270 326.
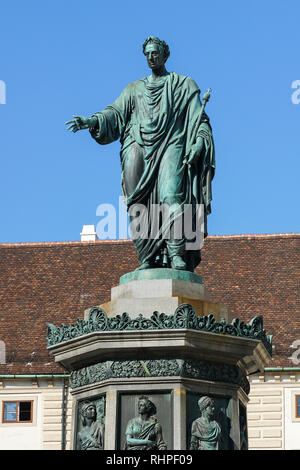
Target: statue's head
pixel 88 411
pixel 156 50
pixel 146 406
pixel 206 405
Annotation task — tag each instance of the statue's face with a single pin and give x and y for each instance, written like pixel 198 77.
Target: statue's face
pixel 155 56
pixel 210 409
pixel 142 406
pixel 90 412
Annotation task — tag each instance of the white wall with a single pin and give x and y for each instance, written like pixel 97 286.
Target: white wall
pixel 291 424
pixel 22 436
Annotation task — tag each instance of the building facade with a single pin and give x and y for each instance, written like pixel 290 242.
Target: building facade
pixel 55 283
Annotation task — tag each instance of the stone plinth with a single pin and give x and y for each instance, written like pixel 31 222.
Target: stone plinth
pixel 183 362
pixel 163 290
pixel 87 349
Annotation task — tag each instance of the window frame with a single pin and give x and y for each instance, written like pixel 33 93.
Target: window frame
pixel 17 421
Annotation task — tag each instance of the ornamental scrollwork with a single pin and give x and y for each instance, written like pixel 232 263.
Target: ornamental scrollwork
pixel 184 317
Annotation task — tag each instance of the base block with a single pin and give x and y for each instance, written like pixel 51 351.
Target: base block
pixel 145 295
pixel 167 375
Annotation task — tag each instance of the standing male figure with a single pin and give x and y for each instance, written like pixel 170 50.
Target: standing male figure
pixel 167 157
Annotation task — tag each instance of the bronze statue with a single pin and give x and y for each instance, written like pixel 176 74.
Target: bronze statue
pixel 144 432
pixel 91 436
pixel 206 432
pixel 167 159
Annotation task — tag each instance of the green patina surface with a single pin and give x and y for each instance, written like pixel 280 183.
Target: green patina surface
pixel 167 157
pixel 160 273
pixel 184 317
pixel 201 370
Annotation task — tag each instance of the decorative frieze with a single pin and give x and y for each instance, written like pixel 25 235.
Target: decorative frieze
pixel 184 318
pixel 201 370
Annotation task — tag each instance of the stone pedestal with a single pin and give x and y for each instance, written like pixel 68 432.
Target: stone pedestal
pixel 162 290
pixel 163 339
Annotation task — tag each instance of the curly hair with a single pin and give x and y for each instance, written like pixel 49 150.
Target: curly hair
pixel 150 407
pixel 162 44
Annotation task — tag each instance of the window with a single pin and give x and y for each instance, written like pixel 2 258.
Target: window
pixel 297 406
pixel 17 412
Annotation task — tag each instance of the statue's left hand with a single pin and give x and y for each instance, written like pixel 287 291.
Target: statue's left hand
pixel 78 123
pixel 151 444
pixel 195 151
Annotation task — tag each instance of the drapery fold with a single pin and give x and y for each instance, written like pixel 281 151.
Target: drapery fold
pixel 161 121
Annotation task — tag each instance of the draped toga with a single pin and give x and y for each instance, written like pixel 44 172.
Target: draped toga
pixel 157 124
pixel 140 430
pixel 205 436
pixel 91 438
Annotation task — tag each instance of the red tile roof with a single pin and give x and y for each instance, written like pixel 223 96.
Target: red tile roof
pixel 56 282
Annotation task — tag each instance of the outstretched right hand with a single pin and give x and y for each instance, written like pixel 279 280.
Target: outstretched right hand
pixel 78 123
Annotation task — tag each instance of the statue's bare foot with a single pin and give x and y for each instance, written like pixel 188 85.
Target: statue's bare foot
pixel 178 263
pixel 146 265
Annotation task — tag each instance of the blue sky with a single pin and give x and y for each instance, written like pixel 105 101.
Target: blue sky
pixel 60 58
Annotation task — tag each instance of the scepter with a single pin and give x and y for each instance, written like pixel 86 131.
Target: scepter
pixel 205 99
